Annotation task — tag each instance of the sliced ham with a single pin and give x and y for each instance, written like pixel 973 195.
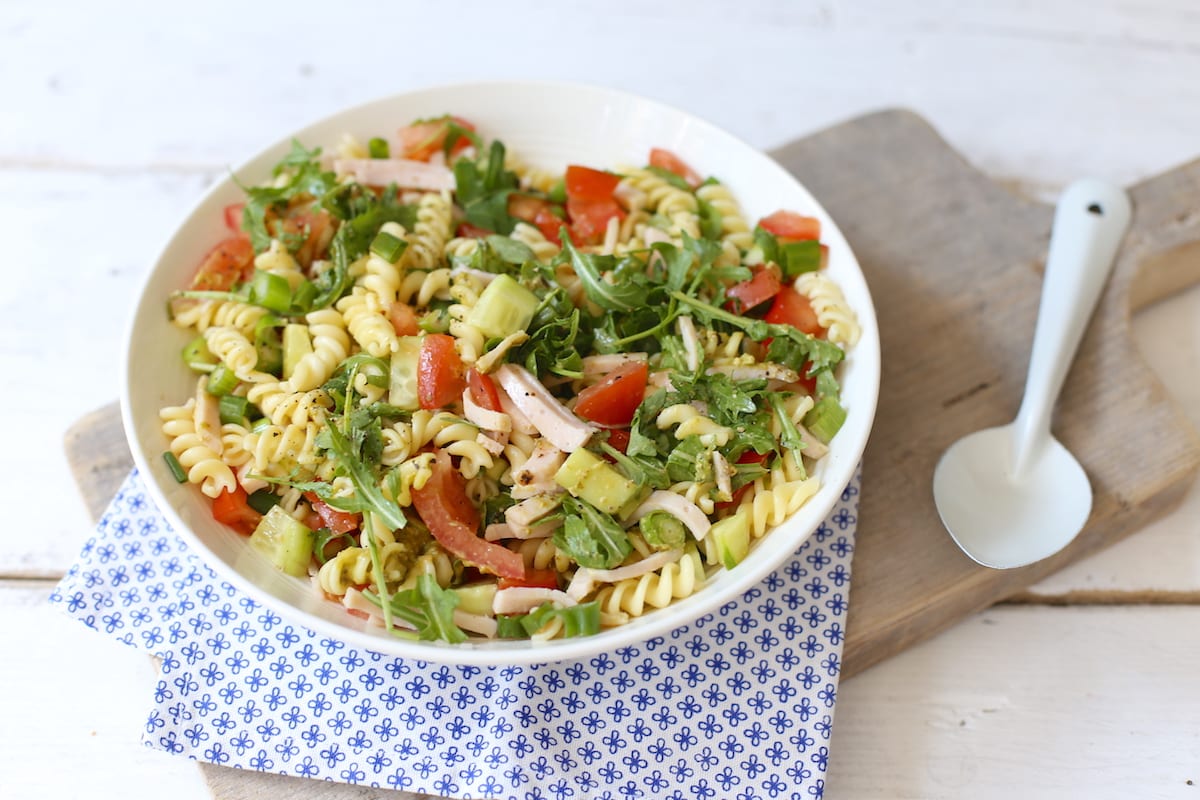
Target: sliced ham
pixel 523 599
pixel 520 422
pixel 476 623
pixel 536 475
pixel 677 506
pixel 404 173
pixel 586 578
pixel 565 431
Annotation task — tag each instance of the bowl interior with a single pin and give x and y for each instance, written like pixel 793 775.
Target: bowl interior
pixel 548 125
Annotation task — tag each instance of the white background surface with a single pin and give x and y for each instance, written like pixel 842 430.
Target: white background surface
pixel 116 116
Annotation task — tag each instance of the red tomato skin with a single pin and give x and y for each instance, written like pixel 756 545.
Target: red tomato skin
pixel 589 218
pixel 585 183
pixel 618 439
pixel 232 508
pixel 453 521
pixel 614 400
pixel 421 140
pixel 440 373
pixel 233 217
pixel 483 390
pixel 764 285
pixel 790 226
pixel 792 308
pixel 541 578
pixel 471 231
pixel 336 520
pixel 403 319
pixel 229 263
pixel 536 212
pixel 667 160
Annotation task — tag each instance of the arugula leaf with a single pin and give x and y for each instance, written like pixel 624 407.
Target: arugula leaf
pixel 627 295
pixel 556 335
pixel 591 537
pixel 367 494
pixel 484 193
pixel 642 470
pixel 578 620
pixel 305 177
pixel 670 177
pixel 644 435
pixel 427 607
pixel 710 220
pixel 690 461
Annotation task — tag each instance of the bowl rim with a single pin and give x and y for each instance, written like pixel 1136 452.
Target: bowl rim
pixel 519 652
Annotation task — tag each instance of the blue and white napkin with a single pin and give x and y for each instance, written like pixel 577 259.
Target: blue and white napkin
pixel 738 704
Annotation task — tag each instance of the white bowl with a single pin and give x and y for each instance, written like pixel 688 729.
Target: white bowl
pixel 549 125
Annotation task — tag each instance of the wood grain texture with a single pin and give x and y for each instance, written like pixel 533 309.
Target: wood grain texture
pixel 953 261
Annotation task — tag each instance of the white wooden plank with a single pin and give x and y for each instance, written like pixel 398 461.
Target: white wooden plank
pixel 74 709
pixel 1028 702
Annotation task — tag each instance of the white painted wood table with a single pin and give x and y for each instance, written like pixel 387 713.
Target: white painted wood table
pixel 116 116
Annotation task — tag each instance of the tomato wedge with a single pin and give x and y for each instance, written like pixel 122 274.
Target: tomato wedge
pixel 403 319
pixel 335 519
pixel 764 285
pixel 546 578
pixel 483 390
pixel 421 140
pixel 618 438
pixel 315 227
pixel 233 217
pixel 585 183
pixel 665 159
pixel 614 400
pixel 790 226
pixel 453 521
pixel 471 231
pixel 229 263
pixel 232 508
pixel 792 308
pixel 440 371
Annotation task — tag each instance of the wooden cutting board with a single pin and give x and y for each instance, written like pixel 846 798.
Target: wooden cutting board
pixel 953 260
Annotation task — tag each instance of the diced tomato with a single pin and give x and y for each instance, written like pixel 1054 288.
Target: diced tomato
pixel 792 308
pixel 748 457
pixel 403 319
pixel 229 263
pixel 536 212
pixel 335 519
pixel 590 202
pixel 471 231
pixel 440 372
pixel 233 217
pixel 667 160
pixel 316 226
pixel 546 578
pixel 453 520
pixel 421 140
pixel 585 183
pixel 764 285
pixel 614 400
pixel 790 226
pixel 483 390
pixel 618 438
pixel 232 508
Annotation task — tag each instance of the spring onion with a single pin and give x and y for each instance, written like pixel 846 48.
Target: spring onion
pixel 270 291
pixel 378 148
pixel 221 381
pixel 198 357
pixel 235 410
pixel 388 247
pixel 177 470
pixel 263 500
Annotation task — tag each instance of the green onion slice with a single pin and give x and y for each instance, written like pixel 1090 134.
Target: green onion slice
pixel 388 247
pixel 221 381
pixel 177 470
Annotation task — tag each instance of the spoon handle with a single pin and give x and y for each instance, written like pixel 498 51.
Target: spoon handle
pixel 1089 223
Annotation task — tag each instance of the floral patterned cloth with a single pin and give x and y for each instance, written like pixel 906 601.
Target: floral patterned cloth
pixel 739 704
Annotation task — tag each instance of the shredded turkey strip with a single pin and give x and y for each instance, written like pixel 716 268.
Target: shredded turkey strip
pixel 536 475
pixel 724 474
pixel 520 422
pixel 476 623
pixel 551 418
pixel 753 372
pixel 520 517
pixel 485 418
pixel 502 530
pixel 601 365
pixel 677 506
pixel 523 599
pixel 691 341
pixel 586 578
pixel 404 173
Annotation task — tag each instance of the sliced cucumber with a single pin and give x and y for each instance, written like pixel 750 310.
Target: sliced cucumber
pixel 591 478
pixel 825 419
pixel 402 391
pixel 732 538
pixel 476 598
pixel 287 542
pixel 296 345
pixel 505 307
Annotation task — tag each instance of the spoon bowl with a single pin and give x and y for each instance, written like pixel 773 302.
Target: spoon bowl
pixel 1013 495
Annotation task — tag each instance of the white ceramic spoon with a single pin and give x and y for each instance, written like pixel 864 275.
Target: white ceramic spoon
pixel 1014 495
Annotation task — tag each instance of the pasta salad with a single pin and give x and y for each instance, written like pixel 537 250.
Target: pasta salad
pixel 468 397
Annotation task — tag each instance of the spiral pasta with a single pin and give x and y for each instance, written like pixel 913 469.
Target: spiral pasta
pixel 203 465
pixel 430 234
pixel 631 597
pixel 830 306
